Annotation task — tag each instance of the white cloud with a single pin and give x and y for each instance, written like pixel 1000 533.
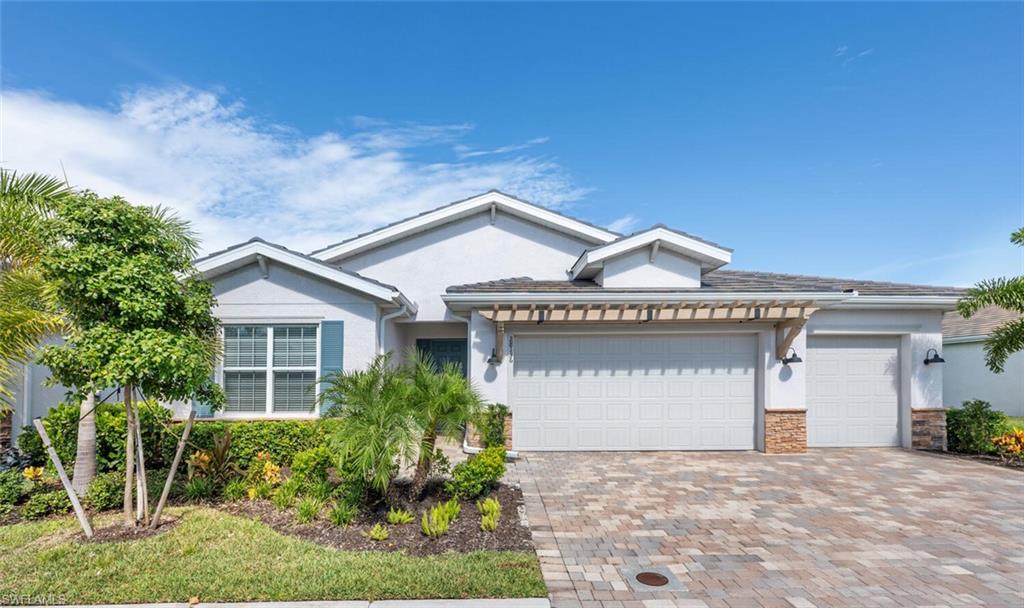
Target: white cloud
pixel 235 176
pixel 465 152
pixel 840 51
pixel 624 224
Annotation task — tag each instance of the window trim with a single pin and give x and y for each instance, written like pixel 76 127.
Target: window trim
pixel 270 368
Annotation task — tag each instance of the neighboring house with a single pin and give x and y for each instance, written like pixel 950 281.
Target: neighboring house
pixel 966 376
pixel 597 341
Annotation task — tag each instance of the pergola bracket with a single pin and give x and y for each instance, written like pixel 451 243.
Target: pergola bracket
pixel 785 333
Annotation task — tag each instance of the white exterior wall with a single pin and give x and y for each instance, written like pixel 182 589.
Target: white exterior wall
pixel 32 398
pixel 966 377
pixel 785 386
pixel 635 269
pixel 470 250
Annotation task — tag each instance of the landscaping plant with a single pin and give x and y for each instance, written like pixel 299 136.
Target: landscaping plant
pixel 284 496
pixel 1011 445
pixel 308 509
pixel 378 532
pixel 477 475
pixel 279 440
pixel 260 491
pixel 104 492
pixel 13 487
pixel 444 402
pixel 311 465
pixel 234 490
pixel 342 514
pixel 378 428
pixel 199 489
pixel 398 517
pixel 971 428
pixel 215 463
pixel 41 504
pixel 491 425
pixel 490 513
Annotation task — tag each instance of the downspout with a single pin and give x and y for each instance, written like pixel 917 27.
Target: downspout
pixel 466 448
pixel 380 326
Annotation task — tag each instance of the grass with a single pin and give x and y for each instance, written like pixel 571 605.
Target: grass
pixel 221 557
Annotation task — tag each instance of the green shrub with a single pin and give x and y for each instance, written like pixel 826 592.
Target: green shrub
pixel 478 475
pixel 311 465
pixel 378 532
pixel 5 510
pixel 46 503
pixel 199 489
pixel 489 506
pixel 61 425
pixel 489 522
pixel 308 509
pixel 234 490
pixel 971 428
pixel 342 514
pixel 259 491
pixel 397 517
pixel 31 444
pixel 491 425
pixel 284 495
pixel 106 491
pixel 281 439
pixel 12 487
pixel 434 522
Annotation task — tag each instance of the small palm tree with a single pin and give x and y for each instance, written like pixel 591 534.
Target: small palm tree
pixel 1005 292
pixel 444 401
pixel 378 429
pixel 27 307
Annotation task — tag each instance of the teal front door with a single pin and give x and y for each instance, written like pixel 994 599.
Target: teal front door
pixel 444 350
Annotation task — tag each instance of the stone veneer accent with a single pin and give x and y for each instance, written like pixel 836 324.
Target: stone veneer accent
pixel 5 430
pixel 474 435
pixel 785 431
pixel 928 429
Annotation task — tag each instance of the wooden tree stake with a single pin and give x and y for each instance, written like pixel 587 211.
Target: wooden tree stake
pixel 174 469
pixel 79 511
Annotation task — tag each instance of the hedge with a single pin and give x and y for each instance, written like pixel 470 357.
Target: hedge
pixel 282 439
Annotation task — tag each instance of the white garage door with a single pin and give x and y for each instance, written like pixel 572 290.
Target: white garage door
pixel 632 392
pixel 852 391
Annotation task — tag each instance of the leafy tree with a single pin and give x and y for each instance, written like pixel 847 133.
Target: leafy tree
pixel 1005 292
pixel 141 317
pixel 444 401
pixel 28 312
pixel 378 429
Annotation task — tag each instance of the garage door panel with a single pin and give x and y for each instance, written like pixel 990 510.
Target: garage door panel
pixel 852 389
pixel 635 392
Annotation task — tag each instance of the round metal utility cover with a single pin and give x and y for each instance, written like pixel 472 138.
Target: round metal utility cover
pixel 652 579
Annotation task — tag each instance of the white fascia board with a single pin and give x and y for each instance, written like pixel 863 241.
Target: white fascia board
pixel 470 300
pixel 710 256
pixel 941 303
pixel 457 211
pixel 246 254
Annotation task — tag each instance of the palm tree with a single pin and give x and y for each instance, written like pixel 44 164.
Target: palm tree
pixel 1005 292
pixel 377 431
pixel 444 401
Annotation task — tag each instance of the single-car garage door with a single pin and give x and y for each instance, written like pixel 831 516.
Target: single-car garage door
pixel 634 392
pixel 852 391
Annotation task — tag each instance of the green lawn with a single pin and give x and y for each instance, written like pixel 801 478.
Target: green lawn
pixel 220 557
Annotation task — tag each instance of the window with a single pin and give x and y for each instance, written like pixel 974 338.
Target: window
pixel 270 368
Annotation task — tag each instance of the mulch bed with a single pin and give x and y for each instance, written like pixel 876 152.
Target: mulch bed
pixel 464 534
pixel 983 458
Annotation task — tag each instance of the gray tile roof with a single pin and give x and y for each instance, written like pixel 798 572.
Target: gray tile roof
pixel 981 323
pixel 732 281
pixel 462 200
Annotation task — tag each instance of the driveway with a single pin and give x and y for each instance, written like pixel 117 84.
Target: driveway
pixel 867 527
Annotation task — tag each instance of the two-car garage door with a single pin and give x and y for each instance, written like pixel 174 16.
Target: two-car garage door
pixel 634 392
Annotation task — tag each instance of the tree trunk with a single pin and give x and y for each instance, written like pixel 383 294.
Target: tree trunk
pixel 129 464
pixel 426 459
pixel 85 455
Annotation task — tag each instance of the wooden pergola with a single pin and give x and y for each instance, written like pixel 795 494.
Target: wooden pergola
pixel 788 315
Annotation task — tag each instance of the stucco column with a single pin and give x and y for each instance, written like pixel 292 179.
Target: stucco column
pixel 785 398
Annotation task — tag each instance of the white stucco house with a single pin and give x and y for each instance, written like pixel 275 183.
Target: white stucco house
pixel 966 376
pixel 596 340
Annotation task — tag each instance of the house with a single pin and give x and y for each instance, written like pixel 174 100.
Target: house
pixel 597 341
pixel 966 376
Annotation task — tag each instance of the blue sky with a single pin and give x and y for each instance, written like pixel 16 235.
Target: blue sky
pixel 878 141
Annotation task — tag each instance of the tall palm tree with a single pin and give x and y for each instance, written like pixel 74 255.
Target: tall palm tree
pixel 443 401
pixel 1005 292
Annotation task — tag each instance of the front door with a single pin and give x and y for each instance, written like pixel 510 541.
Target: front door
pixel 444 350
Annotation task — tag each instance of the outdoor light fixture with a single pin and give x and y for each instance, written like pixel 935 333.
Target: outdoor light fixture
pixel 792 357
pixel 932 356
pixel 493 359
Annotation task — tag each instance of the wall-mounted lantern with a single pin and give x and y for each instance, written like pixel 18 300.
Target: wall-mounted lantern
pixel 493 359
pixel 932 356
pixel 792 357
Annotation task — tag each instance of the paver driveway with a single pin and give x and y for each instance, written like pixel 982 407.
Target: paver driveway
pixel 868 527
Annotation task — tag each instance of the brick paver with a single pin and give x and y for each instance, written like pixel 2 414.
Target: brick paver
pixel 869 527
